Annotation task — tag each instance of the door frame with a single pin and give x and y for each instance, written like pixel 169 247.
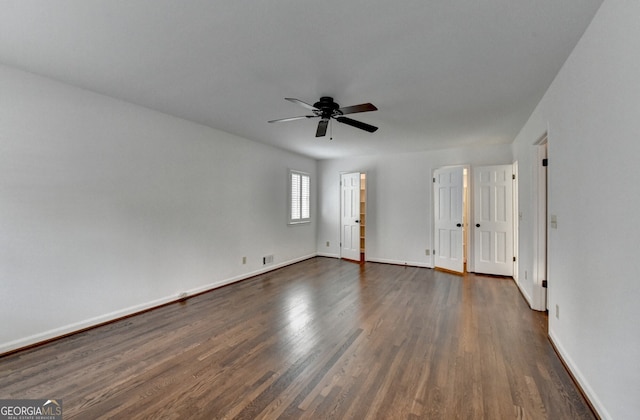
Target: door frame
pixel 468 233
pixel 516 224
pixel 340 256
pixel 541 232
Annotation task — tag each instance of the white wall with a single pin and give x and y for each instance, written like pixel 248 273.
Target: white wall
pixel 399 200
pixel 592 114
pixel 108 208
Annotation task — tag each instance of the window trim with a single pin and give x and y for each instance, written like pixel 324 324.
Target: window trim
pixel 290 198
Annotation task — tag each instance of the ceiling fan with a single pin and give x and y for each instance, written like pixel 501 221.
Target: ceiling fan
pixel 326 109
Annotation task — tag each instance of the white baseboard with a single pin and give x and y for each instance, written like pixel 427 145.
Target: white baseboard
pixel 327 254
pixel 398 262
pixel 245 276
pixel 102 319
pixel 525 294
pixel 81 325
pixel 577 374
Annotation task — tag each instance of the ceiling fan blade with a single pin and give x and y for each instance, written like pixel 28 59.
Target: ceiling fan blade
pixel 358 108
pixel 304 104
pixel 322 128
pixel 357 124
pixel 293 118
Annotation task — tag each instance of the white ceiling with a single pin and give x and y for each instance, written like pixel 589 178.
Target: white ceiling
pixel 443 73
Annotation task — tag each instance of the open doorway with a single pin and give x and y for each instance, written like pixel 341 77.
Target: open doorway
pixel 353 204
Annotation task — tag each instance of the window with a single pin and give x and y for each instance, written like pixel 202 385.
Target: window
pixel 299 197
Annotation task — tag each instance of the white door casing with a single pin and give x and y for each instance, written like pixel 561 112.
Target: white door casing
pixel 516 221
pixel 493 219
pixel 448 195
pixel 540 294
pixel 350 216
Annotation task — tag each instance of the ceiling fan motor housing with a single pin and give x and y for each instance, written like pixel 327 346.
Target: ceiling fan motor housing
pixel 328 107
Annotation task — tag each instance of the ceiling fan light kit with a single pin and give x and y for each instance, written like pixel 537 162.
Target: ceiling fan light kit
pixel 326 109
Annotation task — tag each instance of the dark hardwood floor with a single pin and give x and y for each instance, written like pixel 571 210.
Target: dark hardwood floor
pixel 319 339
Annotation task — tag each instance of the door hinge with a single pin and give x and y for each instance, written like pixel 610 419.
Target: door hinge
pixel 545 162
pixel 434 179
pixel 514 259
pixel 513 176
pixel 544 284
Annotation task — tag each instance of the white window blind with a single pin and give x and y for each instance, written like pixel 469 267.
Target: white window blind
pixel 300 192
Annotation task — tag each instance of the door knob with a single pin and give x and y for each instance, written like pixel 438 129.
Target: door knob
pixel 477 224
pixel 459 225
pixel 357 221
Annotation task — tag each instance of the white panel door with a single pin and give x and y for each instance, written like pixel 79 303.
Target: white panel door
pixel 448 229
pixel 493 220
pixel 350 216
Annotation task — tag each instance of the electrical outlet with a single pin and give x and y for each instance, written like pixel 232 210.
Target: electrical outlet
pixel 327 243
pixel 427 252
pixel 557 311
pixel 244 260
pixel 553 221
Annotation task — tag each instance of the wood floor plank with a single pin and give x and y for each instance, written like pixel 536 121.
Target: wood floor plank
pixel 320 339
